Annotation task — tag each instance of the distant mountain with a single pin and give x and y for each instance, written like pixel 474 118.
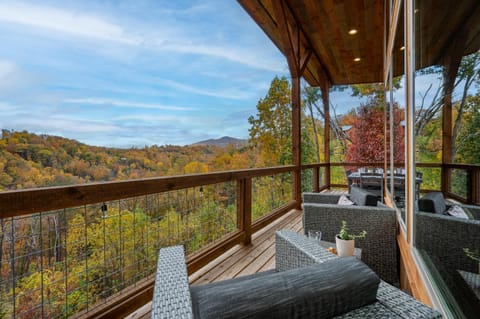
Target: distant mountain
pixel 29 160
pixel 223 141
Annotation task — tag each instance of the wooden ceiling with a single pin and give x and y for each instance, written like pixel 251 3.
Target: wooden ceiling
pixel 314 35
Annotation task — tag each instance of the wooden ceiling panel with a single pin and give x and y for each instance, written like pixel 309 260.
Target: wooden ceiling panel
pixel 324 26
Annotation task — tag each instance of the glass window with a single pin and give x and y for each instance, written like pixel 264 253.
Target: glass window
pixel 395 122
pixel 447 122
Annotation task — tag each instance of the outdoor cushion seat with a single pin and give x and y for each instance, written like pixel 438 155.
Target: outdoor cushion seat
pixel 316 291
pixel 317 284
pixel 379 247
pixel 444 237
pixel 435 203
pixel 360 197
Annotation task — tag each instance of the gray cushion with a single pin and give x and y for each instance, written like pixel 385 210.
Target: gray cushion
pixel 433 202
pixel 362 197
pixel 318 291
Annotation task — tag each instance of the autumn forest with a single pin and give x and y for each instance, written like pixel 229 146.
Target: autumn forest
pixel 86 254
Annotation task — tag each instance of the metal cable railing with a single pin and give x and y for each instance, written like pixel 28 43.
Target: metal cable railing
pixel 58 263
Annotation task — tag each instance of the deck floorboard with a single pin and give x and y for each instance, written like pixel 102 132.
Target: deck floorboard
pixel 240 260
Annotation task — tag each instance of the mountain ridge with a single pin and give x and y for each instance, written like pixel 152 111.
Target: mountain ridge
pixel 222 142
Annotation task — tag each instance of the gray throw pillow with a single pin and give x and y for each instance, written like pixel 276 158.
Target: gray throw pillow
pixel 343 200
pixel 457 211
pixel 318 291
pixel 362 197
pixel 433 202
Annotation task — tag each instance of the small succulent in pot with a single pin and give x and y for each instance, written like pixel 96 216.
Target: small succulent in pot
pixel 346 242
pixel 344 235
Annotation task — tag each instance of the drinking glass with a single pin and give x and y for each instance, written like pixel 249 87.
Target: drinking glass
pixel 315 234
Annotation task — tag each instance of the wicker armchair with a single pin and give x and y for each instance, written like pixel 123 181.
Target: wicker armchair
pixel 379 247
pixel 172 293
pixel 445 237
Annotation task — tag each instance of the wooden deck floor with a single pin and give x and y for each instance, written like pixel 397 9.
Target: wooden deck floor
pixel 241 260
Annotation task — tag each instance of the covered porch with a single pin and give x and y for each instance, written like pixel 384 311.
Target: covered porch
pixel 211 214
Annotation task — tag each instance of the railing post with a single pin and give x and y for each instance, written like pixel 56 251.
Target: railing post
pixel 445 182
pixel 316 179
pixel 244 208
pixel 473 186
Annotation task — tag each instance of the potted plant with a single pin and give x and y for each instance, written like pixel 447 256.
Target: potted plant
pixel 345 241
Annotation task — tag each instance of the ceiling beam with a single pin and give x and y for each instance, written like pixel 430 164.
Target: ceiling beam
pixel 290 38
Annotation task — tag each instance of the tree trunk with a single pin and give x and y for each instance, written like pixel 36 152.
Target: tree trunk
pixel 317 146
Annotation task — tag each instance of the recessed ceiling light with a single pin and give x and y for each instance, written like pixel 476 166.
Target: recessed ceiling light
pixel 356 59
pixel 402 48
pixel 352 32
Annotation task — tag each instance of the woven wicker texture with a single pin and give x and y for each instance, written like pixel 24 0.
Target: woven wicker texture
pixel 391 301
pixel 294 251
pixel 379 247
pixel 444 237
pixel 171 297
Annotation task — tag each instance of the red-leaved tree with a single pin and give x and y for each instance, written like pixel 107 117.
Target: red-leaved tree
pixel 367 135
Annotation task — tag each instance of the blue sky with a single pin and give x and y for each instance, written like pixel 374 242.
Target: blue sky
pixel 132 73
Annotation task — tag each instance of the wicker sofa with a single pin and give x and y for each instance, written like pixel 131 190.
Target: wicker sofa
pixel 379 247
pixel 328 294
pixel 444 237
pixel 441 239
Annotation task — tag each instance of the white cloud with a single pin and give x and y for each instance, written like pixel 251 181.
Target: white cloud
pixel 13 78
pixel 6 107
pixel 153 118
pixel 228 94
pixel 6 69
pixel 166 38
pixel 229 53
pixel 63 21
pixel 63 124
pixel 123 103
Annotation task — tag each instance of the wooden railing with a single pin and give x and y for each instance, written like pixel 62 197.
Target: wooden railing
pixel 15 204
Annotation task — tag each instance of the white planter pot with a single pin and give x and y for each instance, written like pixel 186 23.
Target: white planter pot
pixel 345 247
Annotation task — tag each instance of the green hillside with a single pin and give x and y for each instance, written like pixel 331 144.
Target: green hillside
pixel 28 160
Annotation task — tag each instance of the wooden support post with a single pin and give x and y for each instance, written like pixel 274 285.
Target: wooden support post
pixel 475 185
pixel 452 60
pixel 448 80
pixel 244 208
pixel 296 64
pixel 326 141
pixel 316 179
pixel 296 141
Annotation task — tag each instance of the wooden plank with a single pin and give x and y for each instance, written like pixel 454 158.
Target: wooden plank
pixel 122 303
pixel 270 264
pixel 203 256
pixel 288 35
pixel 265 250
pixel 240 255
pixel 260 260
pixel 192 278
pixel 23 202
pixel 409 268
pixel 266 220
pixel 291 220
